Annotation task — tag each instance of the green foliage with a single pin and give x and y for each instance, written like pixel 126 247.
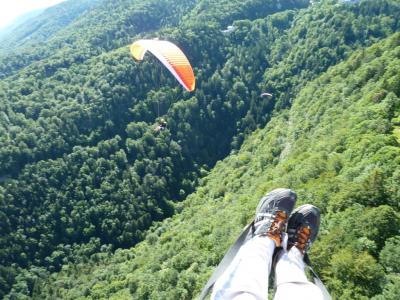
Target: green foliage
pixel 390 254
pixel 391 288
pixel 81 164
pixel 354 274
pixel 83 173
pixel 317 148
pixel 40 29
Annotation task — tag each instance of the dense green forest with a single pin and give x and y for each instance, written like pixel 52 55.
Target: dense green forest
pixel 83 174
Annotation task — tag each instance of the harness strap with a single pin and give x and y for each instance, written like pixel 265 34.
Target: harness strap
pixel 320 285
pixel 226 260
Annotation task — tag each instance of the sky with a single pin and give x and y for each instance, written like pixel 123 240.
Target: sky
pixel 10 9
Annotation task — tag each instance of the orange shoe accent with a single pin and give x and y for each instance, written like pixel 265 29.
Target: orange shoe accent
pixel 277 227
pixel 303 236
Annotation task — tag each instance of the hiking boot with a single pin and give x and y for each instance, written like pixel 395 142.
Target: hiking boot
pixel 303 227
pixel 272 214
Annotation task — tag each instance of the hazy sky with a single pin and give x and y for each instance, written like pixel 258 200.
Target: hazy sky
pixel 10 9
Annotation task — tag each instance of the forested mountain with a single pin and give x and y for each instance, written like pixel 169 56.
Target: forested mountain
pixel 39 30
pixel 17 22
pixel 338 147
pixel 83 173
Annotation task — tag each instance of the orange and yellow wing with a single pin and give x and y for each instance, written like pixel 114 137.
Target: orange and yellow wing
pixel 170 56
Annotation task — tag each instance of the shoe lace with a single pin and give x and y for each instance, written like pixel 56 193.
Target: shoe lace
pixel 278 223
pixel 303 238
pixel 277 226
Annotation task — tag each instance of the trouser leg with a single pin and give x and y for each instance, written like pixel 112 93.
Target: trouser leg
pixel 247 275
pixel 291 280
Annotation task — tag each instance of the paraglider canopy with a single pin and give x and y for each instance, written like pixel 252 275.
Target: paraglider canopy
pixel 229 29
pixel 265 95
pixel 170 56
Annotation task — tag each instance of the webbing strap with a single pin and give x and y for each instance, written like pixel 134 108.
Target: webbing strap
pixel 317 281
pixel 226 260
pixel 320 285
